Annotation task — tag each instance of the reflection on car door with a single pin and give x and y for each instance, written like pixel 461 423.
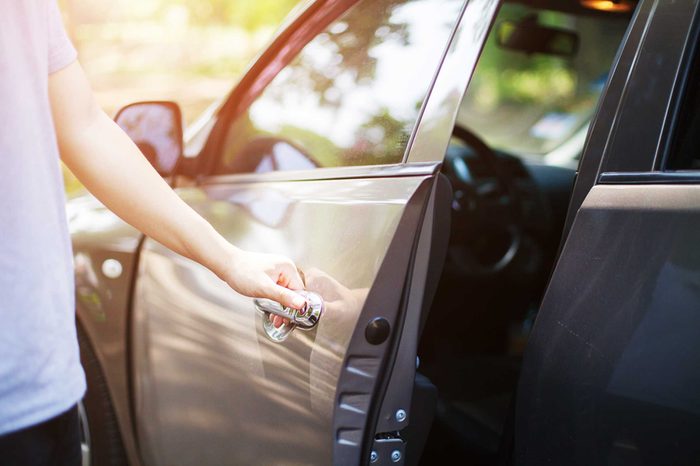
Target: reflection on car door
pixel 210 386
pixel 611 374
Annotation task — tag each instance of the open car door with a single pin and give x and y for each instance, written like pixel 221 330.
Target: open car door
pixel 329 156
pixel 612 371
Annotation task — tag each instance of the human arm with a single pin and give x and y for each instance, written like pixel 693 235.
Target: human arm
pixel 112 168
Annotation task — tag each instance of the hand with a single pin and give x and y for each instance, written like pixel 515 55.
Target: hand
pixel 265 276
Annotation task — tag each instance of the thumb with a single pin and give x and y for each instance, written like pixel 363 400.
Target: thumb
pixel 287 297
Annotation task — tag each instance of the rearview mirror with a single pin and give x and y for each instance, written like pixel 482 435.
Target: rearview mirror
pixel 529 37
pixel 156 128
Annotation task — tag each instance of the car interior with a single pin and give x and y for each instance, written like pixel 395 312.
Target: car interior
pixel 511 167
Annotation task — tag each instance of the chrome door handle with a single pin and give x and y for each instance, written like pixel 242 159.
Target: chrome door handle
pixel 305 318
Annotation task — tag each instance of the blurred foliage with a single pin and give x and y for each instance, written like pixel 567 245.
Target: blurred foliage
pixel 246 14
pixel 193 51
pixel 250 15
pixel 189 51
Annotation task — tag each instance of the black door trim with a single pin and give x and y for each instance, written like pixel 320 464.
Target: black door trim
pixel 656 177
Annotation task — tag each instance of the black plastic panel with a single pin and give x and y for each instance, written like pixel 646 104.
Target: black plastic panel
pixel 682 177
pixel 612 370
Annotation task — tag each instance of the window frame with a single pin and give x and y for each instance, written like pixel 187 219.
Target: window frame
pixel 649 166
pixel 691 59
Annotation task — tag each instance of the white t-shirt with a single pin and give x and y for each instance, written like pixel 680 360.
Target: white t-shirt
pixel 40 372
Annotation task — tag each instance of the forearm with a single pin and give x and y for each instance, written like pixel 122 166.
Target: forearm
pixel 110 165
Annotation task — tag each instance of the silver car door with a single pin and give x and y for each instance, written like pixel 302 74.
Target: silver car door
pixel 332 165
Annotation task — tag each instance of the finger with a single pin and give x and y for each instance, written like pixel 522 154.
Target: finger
pixel 290 277
pixel 277 321
pixel 283 280
pixel 287 297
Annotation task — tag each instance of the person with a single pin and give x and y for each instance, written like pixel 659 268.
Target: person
pixel 47 108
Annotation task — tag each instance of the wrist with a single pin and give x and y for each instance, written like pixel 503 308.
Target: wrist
pixel 211 250
pixel 226 261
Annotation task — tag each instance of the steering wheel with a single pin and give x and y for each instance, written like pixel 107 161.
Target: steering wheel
pixel 486 208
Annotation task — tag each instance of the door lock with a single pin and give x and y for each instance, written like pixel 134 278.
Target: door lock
pixel 305 318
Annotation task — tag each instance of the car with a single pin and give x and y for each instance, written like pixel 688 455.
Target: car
pixel 494 206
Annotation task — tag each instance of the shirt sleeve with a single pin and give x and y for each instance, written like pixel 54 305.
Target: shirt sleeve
pixel 61 50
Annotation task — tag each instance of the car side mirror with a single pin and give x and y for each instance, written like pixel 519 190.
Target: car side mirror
pixel 528 36
pixel 156 128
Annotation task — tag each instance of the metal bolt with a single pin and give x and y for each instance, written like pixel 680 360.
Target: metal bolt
pixel 395 456
pixel 373 457
pixel 400 415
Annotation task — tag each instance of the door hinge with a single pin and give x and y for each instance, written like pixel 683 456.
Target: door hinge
pixel 388 449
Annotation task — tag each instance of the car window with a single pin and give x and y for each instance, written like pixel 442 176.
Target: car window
pixel 531 104
pixel 351 96
pixel 685 148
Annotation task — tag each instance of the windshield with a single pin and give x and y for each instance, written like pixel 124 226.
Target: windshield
pixel 530 104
